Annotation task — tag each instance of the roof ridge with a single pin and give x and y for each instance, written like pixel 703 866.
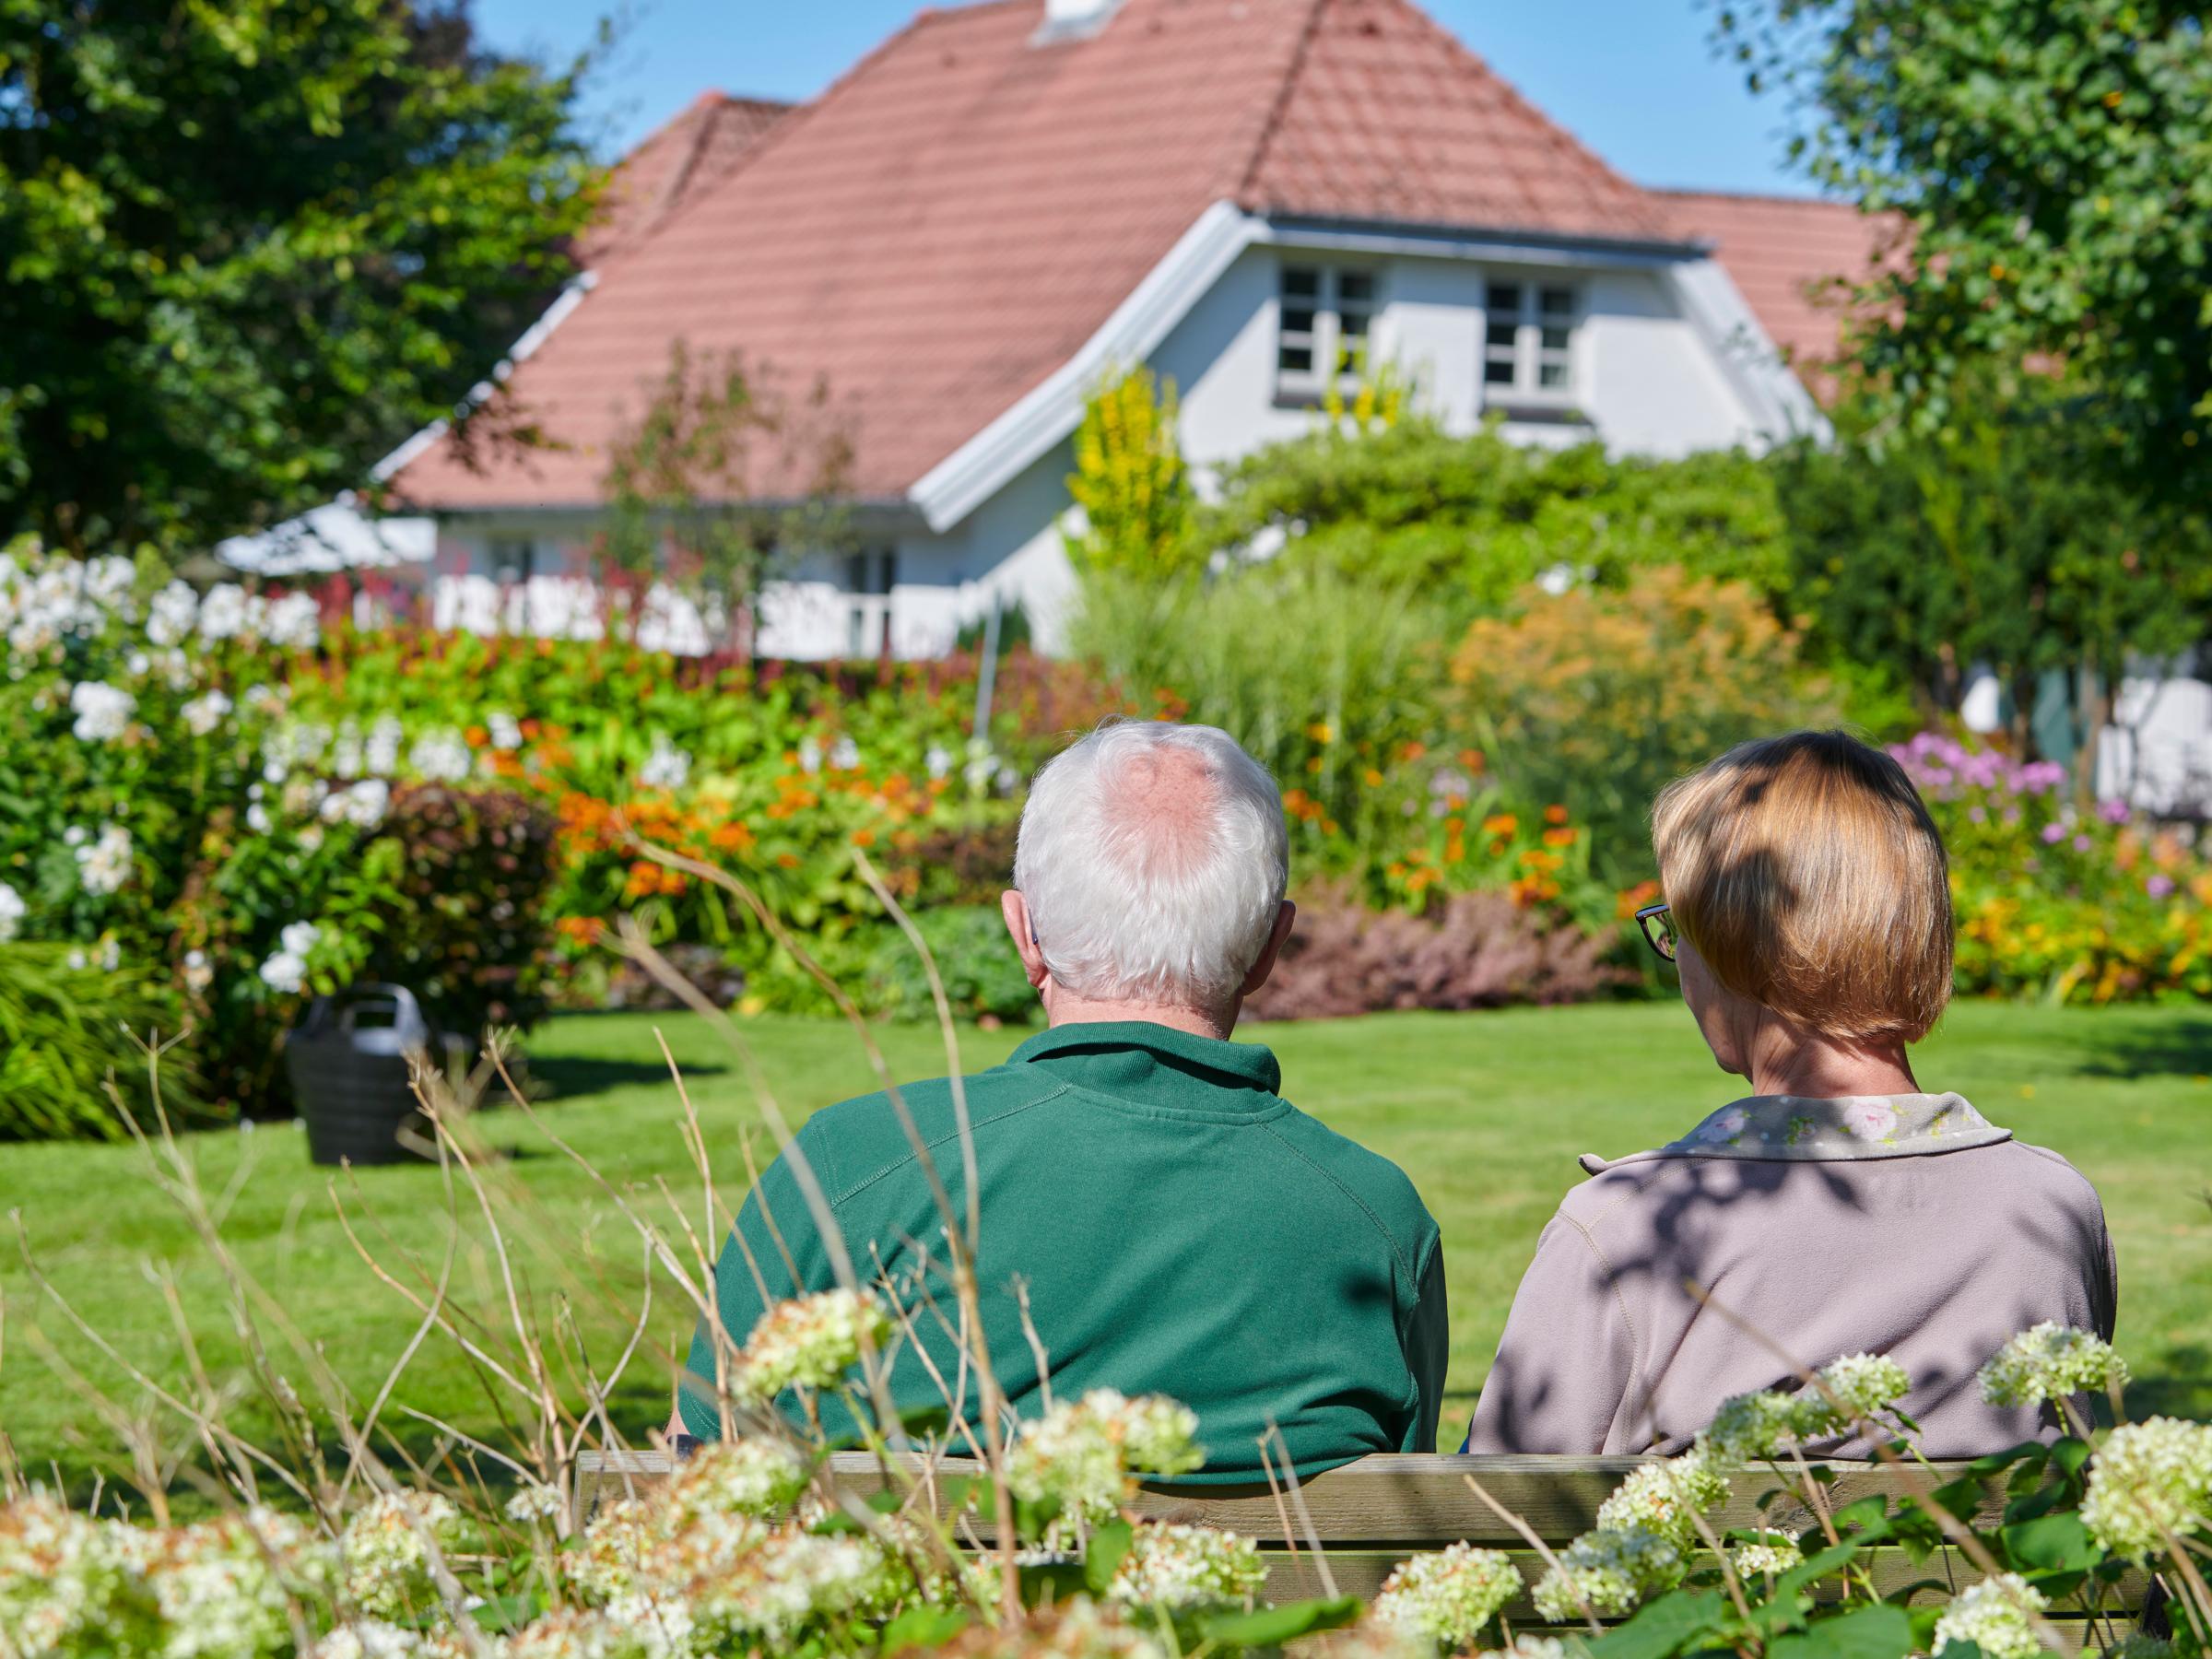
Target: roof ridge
pixel 1271 124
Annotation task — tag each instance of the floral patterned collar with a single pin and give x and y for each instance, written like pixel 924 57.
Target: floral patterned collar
pixel 1793 1128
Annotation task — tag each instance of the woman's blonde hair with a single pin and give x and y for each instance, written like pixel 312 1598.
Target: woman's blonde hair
pixel 1805 872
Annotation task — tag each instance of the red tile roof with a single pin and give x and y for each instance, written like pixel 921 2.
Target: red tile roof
pixel 1791 259
pixel 951 221
pixel 673 165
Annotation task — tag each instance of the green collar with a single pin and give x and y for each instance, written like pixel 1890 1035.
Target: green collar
pixel 1161 1069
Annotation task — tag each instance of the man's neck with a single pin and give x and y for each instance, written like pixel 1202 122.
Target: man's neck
pixel 1062 1007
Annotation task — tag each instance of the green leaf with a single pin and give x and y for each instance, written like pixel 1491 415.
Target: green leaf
pixel 1663 1626
pixel 924 1628
pixel 1272 1627
pixel 1109 1544
pixel 1876 1632
pixel 2051 1543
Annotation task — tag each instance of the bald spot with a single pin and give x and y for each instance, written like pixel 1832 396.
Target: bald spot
pixel 1157 817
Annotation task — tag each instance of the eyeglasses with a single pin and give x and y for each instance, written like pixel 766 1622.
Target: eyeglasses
pixel 1658 923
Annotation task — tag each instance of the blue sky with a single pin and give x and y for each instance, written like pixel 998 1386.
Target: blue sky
pixel 1634 79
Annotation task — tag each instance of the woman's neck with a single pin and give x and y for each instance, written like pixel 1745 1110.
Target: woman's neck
pixel 1789 1062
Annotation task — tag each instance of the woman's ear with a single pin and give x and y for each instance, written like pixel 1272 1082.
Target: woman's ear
pixel 1023 931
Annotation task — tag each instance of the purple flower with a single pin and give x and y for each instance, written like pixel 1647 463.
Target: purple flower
pixel 2054 834
pixel 2159 885
pixel 2082 844
pixel 2112 811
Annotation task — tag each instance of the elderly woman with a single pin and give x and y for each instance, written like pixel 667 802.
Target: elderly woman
pixel 1839 1206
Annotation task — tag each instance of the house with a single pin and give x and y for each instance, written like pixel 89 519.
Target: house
pixel 1005 201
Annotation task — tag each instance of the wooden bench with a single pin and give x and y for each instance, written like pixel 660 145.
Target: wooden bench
pixel 1372 1514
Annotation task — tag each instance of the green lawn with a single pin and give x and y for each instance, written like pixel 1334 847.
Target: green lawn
pixel 1485 1110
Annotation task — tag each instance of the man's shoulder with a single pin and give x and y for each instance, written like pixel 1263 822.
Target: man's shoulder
pixel 863 1141
pixel 1365 1177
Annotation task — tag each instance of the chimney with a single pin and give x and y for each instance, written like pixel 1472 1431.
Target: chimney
pixel 1073 20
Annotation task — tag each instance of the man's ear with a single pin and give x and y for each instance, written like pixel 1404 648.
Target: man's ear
pixel 1284 918
pixel 1015 910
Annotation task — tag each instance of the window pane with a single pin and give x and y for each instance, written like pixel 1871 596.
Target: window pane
pixel 1356 288
pixel 1506 297
pixel 1301 280
pixel 1555 339
pixel 1551 374
pixel 1498 373
pixel 1559 301
pixel 1295 360
pixel 1502 335
pixel 1298 319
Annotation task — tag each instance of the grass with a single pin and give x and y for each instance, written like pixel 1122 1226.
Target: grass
pixel 1486 1112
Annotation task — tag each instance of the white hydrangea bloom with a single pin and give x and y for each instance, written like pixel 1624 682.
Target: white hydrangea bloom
pixel 364 805
pixel 1447 1596
pixel 381 757
pixel 103 712
pixel 1772 1553
pixel 203 714
pixel 169 619
pixel 1662 1496
pixel 809 1342
pixel 1609 1569
pixel 104 867
pixel 387 1562
pixel 12 911
pixel 666 767
pixel 294 622
pixel 2149 1481
pixel 1997 1616
pixel 225 613
pixel 1188 1567
pixel 1867 1385
pixel 1085 1453
pixel 442 756
pixel 2050 1361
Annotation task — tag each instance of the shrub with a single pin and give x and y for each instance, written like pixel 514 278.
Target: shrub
pixel 1597 700
pixel 64 1018
pixel 1473 950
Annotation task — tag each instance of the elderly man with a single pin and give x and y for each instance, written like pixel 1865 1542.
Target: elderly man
pixel 1179 1227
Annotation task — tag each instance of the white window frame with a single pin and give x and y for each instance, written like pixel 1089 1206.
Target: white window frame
pixel 1324 340
pixel 1531 315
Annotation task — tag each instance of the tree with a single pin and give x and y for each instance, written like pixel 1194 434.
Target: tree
pixel 2051 163
pixel 723 478
pixel 246 248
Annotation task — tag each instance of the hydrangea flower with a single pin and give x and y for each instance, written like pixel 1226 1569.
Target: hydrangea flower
pixel 666 767
pixel 1663 1497
pixel 1997 1616
pixel 1867 1385
pixel 386 1560
pixel 1610 1571
pixel 1084 1454
pixel 1186 1566
pixel 809 1342
pixel 1447 1596
pixel 2050 1361
pixel 103 712
pixel 1770 1555
pixel 203 714
pixel 2150 1481
pixel 104 866
pixel 12 910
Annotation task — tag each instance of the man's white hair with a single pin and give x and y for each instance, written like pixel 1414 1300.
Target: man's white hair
pixel 1153 858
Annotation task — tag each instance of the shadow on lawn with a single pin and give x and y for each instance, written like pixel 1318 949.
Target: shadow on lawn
pixel 575 1076
pixel 2182 1048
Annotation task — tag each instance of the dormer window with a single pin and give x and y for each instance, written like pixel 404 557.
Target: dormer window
pixel 1323 325
pixel 1528 342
